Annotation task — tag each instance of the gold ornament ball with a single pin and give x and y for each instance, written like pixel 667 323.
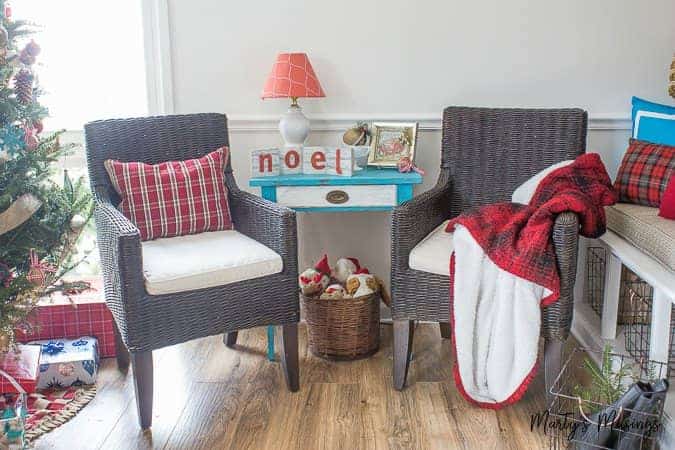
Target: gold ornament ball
pixel 4 343
pixel 354 136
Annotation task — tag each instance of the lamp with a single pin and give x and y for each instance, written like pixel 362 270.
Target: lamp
pixel 292 77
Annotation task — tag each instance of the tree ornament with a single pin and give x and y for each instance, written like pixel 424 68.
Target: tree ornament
pixel 29 53
pixel 8 10
pixel 77 222
pixel 37 274
pixel 30 137
pixel 18 212
pixel 38 126
pixel 357 135
pixel 4 342
pixel 23 86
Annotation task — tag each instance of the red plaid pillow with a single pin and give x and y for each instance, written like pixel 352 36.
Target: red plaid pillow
pixel 173 198
pixel 644 173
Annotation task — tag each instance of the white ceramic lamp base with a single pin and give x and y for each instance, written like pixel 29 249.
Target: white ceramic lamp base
pixel 294 126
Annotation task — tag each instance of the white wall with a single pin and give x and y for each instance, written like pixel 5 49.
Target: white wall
pixel 407 60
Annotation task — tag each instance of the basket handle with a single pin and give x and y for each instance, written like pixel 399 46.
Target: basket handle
pixel 583 414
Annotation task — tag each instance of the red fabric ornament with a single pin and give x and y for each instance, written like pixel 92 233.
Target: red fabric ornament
pixel 39 126
pixel 406 165
pixel 667 207
pixel 30 137
pixel 29 53
pixel 322 266
pixel 37 274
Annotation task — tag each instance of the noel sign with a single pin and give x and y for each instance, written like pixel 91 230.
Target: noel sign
pixel 303 160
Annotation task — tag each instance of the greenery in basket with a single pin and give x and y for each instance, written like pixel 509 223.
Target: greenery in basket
pixel 607 383
pixel 40 219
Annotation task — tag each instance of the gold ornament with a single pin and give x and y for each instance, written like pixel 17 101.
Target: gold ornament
pixel 357 135
pixel 4 343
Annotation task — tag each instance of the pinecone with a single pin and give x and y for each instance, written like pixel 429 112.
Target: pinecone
pixel 23 86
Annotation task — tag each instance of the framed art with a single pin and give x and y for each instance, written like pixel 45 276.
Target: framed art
pixel 391 141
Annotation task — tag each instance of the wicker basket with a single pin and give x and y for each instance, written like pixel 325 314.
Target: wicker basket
pixel 343 329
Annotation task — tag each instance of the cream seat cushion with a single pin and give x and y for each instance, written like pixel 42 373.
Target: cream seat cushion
pixel 204 260
pixel 433 252
pixel 644 228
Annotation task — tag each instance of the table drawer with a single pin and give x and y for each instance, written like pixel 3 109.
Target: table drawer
pixel 336 196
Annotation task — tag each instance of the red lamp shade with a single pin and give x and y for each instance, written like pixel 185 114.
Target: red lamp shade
pixel 292 76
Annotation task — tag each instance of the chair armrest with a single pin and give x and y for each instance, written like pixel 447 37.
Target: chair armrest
pixel 119 244
pixel 557 318
pixel 268 223
pixel 414 219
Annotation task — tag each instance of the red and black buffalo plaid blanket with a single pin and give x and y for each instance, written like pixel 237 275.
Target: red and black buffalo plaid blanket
pixel 505 257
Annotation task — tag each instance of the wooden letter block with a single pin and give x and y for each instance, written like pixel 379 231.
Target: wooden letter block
pixel 265 163
pixel 339 161
pixel 313 160
pixel 291 160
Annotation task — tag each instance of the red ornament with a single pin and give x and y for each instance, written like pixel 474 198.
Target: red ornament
pixel 8 11
pixel 406 165
pixel 30 137
pixel 39 126
pixel 322 266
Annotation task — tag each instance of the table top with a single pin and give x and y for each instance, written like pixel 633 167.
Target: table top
pixel 366 176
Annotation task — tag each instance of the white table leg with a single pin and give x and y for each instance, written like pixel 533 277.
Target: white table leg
pixel 582 269
pixel 659 336
pixel 610 304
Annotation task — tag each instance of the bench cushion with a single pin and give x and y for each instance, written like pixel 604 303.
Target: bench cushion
pixel 205 260
pixel 642 227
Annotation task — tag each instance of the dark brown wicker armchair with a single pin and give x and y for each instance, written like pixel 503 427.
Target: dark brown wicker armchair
pixel 148 322
pixel 486 153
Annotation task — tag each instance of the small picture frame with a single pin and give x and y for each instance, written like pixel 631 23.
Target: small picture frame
pixel 391 141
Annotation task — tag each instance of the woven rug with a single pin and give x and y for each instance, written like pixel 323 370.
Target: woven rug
pixel 51 409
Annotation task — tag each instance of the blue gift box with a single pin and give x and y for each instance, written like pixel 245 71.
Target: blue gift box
pixel 68 362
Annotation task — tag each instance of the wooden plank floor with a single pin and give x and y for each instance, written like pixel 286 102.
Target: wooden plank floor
pixel 210 397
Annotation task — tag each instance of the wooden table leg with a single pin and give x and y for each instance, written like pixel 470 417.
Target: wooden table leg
pixel 270 342
pixel 659 336
pixel 610 304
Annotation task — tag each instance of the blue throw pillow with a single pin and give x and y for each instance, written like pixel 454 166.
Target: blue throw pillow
pixel 653 122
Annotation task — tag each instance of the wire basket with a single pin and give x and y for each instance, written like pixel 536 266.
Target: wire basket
pixel 638 328
pixel 571 411
pixel 595 278
pixel 630 311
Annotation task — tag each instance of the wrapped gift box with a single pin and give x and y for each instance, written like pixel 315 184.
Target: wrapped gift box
pixel 23 367
pixel 68 362
pixel 57 317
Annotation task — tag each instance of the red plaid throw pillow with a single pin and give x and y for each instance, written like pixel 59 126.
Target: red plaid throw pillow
pixel 644 173
pixel 173 198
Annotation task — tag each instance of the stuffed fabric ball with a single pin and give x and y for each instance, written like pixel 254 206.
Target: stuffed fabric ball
pixel 345 267
pixel 312 282
pixel 362 284
pixel 334 292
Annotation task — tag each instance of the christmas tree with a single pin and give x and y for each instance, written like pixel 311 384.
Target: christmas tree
pixel 41 212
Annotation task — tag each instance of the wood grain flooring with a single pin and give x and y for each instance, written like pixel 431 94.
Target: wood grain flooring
pixel 210 397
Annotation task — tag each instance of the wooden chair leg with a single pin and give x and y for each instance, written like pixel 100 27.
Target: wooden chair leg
pixel 121 350
pixel 446 333
pixel 230 339
pixel 553 349
pixel 289 356
pixel 141 364
pixel 403 339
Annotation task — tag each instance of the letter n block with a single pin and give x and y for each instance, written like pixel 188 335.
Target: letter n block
pixel 265 163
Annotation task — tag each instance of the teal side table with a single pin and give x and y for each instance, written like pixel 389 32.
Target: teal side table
pixel 367 190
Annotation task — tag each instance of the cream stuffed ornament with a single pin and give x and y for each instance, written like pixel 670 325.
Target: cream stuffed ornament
pixel 314 280
pixel 360 284
pixel 344 267
pixel 334 292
